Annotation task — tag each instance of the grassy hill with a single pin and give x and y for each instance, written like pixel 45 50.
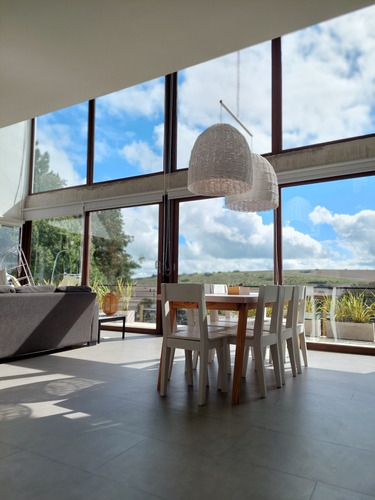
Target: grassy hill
pixel 317 278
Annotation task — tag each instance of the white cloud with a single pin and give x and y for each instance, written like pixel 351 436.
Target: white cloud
pixel 142 223
pixel 64 158
pixel 204 85
pixel 355 234
pixel 146 99
pixel 139 153
pixel 218 239
pixel 328 80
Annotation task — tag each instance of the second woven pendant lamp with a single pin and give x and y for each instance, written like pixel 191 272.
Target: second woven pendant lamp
pixel 264 193
pixel 220 162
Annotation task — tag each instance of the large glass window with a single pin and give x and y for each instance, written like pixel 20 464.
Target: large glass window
pixel 328 75
pixel 61 149
pixel 225 247
pixel 9 238
pixel 124 249
pixel 129 132
pixel 328 245
pixel 242 80
pixel 56 250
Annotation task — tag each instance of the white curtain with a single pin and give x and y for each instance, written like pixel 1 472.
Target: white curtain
pixel 14 158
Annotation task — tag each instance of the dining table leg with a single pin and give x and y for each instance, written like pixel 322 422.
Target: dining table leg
pixel 240 349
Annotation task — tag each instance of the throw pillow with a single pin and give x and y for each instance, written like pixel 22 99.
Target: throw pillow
pixel 12 280
pixel 81 288
pixel 35 289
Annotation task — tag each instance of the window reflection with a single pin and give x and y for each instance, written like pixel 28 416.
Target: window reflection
pixel 61 149
pixel 226 247
pixel 129 132
pixel 328 245
pixel 328 80
pixel 124 249
pixel 56 250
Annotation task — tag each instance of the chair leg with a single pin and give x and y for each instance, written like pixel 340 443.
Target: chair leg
pixel 297 353
pixel 189 366
pixel 276 364
pixel 222 377
pixel 259 366
pixel 170 363
pixel 195 360
pixel 281 360
pixel 303 348
pixel 229 361
pixel 165 360
pixel 203 379
pixel 292 356
pixel 245 361
pixel 211 357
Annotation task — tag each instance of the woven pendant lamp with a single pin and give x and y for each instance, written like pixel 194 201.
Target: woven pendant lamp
pixel 264 194
pixel 220 162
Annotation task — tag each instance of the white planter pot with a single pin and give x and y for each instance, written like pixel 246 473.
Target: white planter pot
pixel 351 331
pixel 312 326
pixel 130 316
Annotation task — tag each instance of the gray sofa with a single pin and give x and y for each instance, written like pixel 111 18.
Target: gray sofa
pixel 43 319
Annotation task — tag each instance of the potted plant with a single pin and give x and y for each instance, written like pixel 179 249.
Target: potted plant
pixel 100 291
pixel 125 291
pixel 350 317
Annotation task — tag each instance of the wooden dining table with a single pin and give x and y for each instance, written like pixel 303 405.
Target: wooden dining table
pixel 241 304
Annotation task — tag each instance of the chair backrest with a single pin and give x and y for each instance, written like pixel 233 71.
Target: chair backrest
pixel 187 295
pixel 219 288
pixel 268 297
pixel 296 314
pixel 288 306
pixel 301 292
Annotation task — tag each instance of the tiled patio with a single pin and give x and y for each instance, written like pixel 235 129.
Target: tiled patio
pixel 89 423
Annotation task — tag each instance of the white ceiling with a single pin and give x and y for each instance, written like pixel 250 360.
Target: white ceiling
pixel 56 53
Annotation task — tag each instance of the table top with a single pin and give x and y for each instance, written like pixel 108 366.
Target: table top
pixel 118 315
pixel 228 298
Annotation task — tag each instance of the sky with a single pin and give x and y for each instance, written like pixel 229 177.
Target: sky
pixel 328 94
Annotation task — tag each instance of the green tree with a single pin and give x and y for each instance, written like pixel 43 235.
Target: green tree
pixel 56 243
pixel 109 259
pixel 44 178
pixel 56 248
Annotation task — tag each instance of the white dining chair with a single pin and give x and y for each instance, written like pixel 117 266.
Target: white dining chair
pixel 261 336
pixel 299 334
pixel 286 328
pixel 191 338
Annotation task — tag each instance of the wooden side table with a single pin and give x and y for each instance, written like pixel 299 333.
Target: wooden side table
pixel 103 318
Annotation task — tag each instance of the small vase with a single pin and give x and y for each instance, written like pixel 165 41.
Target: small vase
pixel 110 303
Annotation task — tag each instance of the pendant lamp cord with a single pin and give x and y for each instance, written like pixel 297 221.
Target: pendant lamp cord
pixel 238 84
pixel 222 105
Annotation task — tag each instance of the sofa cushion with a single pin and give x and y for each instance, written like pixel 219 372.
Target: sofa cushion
pixel 81 288
pixel 35 289
pixel 7 289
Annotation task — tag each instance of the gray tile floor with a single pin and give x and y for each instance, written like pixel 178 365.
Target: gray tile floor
pixel 89 423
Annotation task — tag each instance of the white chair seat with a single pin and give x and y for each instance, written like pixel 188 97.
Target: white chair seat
pixel 193 333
